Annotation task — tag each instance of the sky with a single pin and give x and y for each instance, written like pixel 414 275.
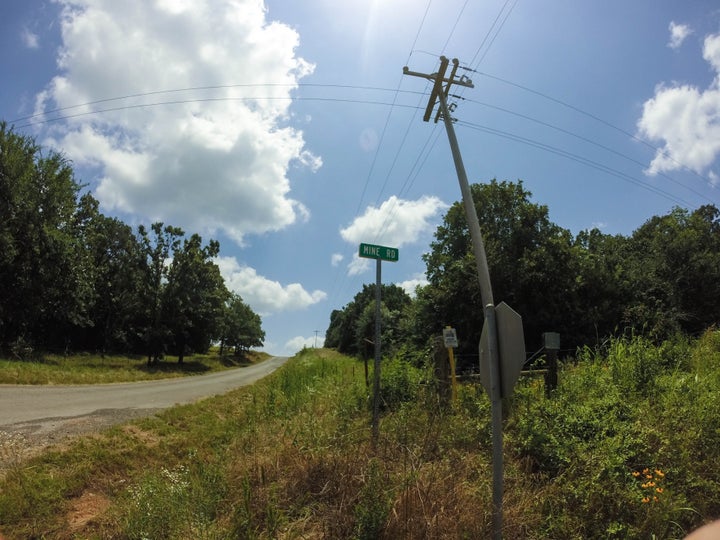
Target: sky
pixel 287 131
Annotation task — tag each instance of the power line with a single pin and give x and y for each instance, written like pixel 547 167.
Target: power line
pixel 382 138
pixel 577 158
pixel 587 140
pixel 487 35
pixel 211 100
pixel 205 88
pixel 592 116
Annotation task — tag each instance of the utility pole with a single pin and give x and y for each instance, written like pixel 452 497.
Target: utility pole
pixel 440 94
pixel 316 333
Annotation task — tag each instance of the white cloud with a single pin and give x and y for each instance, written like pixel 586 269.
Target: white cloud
pixel 395 223
pixel 410 286
pixel 336 259
pixel 358 265
pixel 678 33
pixel 263 295
pixel 217 164
pixel 30 39
pixel 297 343
pixel 686 119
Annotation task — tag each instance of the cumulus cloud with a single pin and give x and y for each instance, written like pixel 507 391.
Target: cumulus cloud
pixel 298 342
pixel 410 286
pixel 336 259
pixel 395 223
pixel 213 158
pixel 686 119
pixel 263 295
pixel 358 265
pixel 678 33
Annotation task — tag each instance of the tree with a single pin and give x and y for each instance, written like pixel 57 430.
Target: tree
pixel 530 258
pixel 676 272
pixel 352 330
pixel 112 269
pixel 193 297
pixel 603 284
pixel 242 327
pixel 42 289
pixel 156 250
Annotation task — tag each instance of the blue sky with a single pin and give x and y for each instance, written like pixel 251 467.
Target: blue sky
pixel 287 130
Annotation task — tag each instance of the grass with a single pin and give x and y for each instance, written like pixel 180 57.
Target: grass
pixel 96 369
pixel 290 457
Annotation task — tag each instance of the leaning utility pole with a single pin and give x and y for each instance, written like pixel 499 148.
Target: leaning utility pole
pixel 440 94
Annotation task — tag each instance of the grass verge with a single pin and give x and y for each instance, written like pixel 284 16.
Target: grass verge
pixel 96 369
pixel 607 455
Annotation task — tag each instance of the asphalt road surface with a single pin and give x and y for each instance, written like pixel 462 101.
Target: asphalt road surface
pixel 37 405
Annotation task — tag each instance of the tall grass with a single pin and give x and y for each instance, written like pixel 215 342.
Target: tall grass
pixel 625 447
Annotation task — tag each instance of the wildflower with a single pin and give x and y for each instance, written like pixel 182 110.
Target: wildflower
pixel 659 490
pixel 635 474
pixel 659 473
pixel 646 499
pixel 646 471
pixel 655 499
pixel 649 476
pixel 651 484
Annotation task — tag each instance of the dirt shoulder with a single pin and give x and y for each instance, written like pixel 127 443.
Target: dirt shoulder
pixel 19 442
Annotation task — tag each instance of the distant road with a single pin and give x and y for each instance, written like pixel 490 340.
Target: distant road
pixel 22 404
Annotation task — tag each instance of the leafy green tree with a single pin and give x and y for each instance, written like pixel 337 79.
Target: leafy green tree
pixel 242 327
pixel 112 268
pixel 531 262
pixel 676 272
pixel 193 297
pixel 157 248
pixel 42 290
pixel 352 330
pixel 603 285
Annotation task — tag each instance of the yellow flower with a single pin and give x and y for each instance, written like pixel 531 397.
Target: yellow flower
pixel 659 473
pixel 645 471
pixel 655 499
pixel 659 490
pixel 635 474
pixel 651 484
pixel 649 476
pixel 646 499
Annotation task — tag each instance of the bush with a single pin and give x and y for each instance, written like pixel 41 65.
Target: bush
pixel 399 382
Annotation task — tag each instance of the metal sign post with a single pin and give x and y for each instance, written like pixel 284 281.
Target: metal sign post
pixel 379 253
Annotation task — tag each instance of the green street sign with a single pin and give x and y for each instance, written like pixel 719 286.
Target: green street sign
pixel 383 253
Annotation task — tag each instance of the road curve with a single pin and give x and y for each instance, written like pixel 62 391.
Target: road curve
pixel 24 403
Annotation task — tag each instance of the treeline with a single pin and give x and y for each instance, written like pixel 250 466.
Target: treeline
pixel 73 279
pixel 661 280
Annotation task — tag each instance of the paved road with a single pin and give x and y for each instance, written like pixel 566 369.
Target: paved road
pixel 24 404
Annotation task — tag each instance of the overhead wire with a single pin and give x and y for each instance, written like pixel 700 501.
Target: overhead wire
pixel 211 100
pixel 201 88
pixel 381 139
pixel 587 140
pixel 411 178
pixel 577 158
pixel 488 33
pixel 593 117
pixel 434 133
